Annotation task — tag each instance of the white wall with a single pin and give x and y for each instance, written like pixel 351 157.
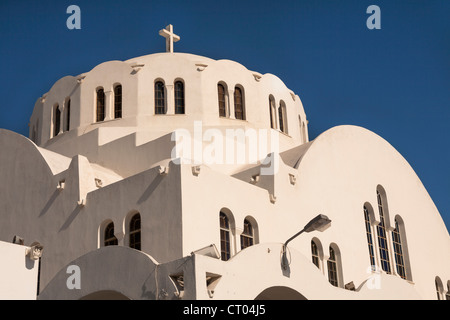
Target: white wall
pixel 18 273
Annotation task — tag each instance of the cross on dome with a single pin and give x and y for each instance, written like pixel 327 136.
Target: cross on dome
pixel 170 37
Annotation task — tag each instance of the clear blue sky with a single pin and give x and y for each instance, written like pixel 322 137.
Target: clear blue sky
pixel 394 81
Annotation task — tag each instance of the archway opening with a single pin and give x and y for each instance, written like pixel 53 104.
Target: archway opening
pixel 280 293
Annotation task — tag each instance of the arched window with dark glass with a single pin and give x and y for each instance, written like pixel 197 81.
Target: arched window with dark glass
pixel 382 236
pixel 247 236
pixel 439 288
pixel 222 100
pixel 135 232
pixel 282 117
pixel 398 251
pixel 109 237
pixel 56 121
pixel 315 254
pixel 447 296
pixel 100 108
pixel 239 110
pixel 273 115
pixel 67 109
pixel 118 101
pixel 160 98
pixel 369 237
pixel 225 244
pixel 179 97
pixel 332 268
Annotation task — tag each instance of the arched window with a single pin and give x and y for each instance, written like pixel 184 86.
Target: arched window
pixel 225 244
pixel 247 236
pixel 315 254
pixel 439 288
pixel 160 99
pixel 135 232
pixel 118 101
pixel 56 121
pixel 282 117
pixel 179 97
pixel 239 111
pixel 67 109
pixel 273 115
pixel 100 105
pixel 447 296
pixel 382 237
pixel 398 251
pixel 110 239
pixel 369 238
pixel 222 100
pixel 332 268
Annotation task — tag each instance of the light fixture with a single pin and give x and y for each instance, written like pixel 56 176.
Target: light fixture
pixel 35 251
pixel 319 223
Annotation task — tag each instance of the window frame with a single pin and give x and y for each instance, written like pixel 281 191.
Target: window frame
pixel 108 238
pixel 225 236
pixel 160 97
pixel 179 97
pixel 100 107
pixel 247 235
pixel 239 105
pixel 118 101
pixel 136 232
pixel 222 99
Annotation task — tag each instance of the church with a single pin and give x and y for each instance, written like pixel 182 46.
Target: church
pixel 173 176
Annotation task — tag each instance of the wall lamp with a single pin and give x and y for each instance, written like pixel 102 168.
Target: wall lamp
pixel 35 251
pixel 319 223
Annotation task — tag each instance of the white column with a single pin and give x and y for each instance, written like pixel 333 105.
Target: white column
pixel 61 119
pixel 170 99
pixel 109 100
pixel 231 104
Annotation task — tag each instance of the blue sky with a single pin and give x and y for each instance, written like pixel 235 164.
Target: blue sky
pixel 394 81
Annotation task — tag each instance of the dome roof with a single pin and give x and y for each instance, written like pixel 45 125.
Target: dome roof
pixel 147 98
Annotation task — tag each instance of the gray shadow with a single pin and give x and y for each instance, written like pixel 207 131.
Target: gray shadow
pixel 151 188
pixel 49 202
pixel 72 217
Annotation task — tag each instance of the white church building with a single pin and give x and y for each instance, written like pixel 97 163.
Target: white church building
pixel 175 176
